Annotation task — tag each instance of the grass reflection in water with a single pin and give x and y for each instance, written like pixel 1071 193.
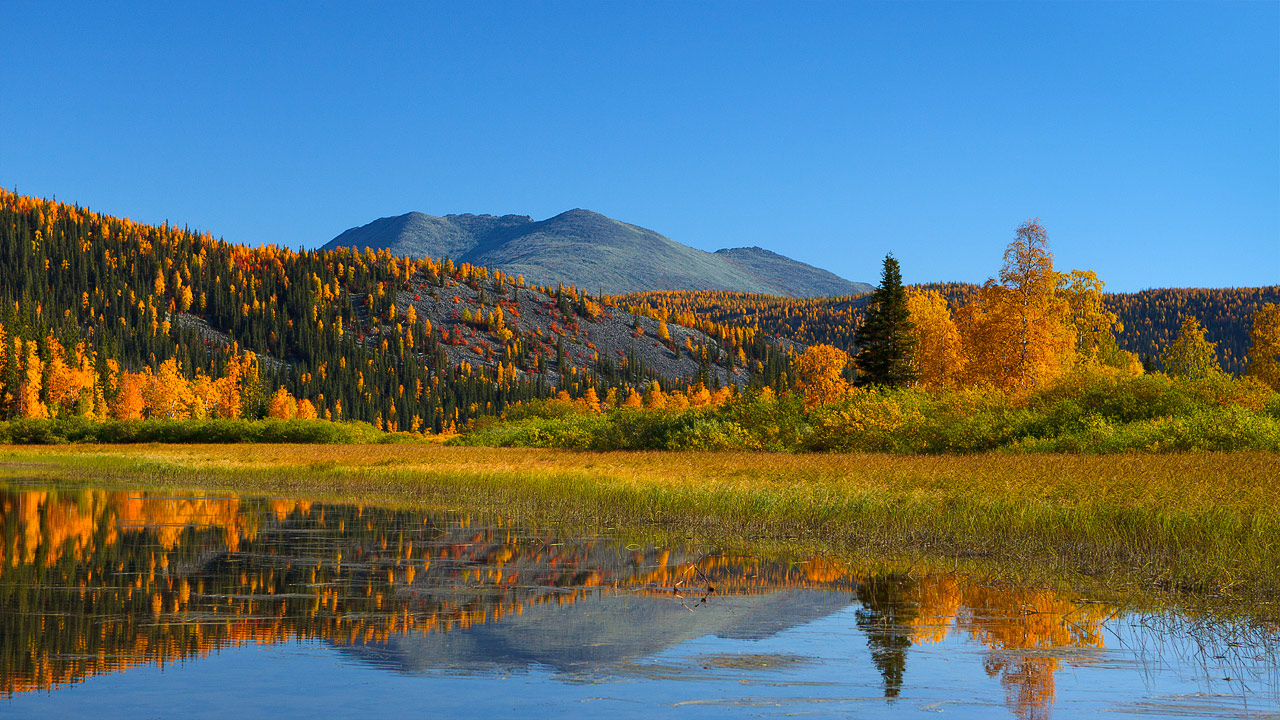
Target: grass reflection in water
pixel 97 581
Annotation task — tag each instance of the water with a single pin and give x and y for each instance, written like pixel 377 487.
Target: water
pixel 133 604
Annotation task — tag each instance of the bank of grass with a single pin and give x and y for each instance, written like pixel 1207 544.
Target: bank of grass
pixel 33 431
pixel 1199 523
pixel 1087 411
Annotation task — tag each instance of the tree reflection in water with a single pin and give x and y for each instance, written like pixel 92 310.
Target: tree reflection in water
pixel 96 582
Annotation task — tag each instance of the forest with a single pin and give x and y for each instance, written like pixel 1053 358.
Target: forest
pixel 1029 361
pixel 104 318
pixel 1147 321
pixel 106 322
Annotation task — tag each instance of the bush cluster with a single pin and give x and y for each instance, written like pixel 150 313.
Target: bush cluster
pixel 1086 412
pixel 82 430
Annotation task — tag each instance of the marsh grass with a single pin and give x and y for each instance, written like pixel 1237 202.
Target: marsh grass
pixel 1204 524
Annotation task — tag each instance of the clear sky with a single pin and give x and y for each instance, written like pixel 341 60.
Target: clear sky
pixel 1146 136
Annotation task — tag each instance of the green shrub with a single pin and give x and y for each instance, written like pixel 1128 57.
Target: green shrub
pixel 82 430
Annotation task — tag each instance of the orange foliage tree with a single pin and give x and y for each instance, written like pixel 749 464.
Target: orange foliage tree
pixel 1017 332
pixel 282 406
pixel 820 373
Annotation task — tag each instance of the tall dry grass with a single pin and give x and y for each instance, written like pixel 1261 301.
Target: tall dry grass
pixel 1203 523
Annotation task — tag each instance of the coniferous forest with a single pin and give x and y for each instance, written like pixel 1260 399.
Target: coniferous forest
pixel 1148 320
pixel 103 317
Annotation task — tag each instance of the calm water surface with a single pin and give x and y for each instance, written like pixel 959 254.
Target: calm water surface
pixel 135 604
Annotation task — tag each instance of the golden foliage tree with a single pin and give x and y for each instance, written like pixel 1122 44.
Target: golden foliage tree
pixel 1017 332
pixel 128 403
pixel 29 383
pixel 167 393
pixel 939 354
pixel 591 400
pixel 633 400
pixel 1190 355
pixel 306 410
pixel 69 383
pixel 819 370
pixel 282 405
pixel 1264 350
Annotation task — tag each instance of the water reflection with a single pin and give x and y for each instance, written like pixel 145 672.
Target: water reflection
pixel 98 582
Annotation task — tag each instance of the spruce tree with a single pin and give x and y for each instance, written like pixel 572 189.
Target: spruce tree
pixel 884 341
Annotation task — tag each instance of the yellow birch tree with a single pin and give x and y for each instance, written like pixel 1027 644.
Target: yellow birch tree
pixel 1264 353
pixel 939 356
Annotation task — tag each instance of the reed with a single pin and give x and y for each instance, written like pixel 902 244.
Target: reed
pixel 1202 523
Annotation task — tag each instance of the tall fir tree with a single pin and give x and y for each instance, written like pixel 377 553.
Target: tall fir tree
pixel 885 341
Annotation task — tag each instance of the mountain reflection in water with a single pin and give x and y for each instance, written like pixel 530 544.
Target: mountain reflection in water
pixel 97 582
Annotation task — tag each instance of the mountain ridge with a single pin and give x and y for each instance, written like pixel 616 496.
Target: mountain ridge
pixel 594 252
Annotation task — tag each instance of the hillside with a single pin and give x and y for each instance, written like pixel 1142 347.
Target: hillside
pixel 593 252
pixel 104 317
pixel 1150 319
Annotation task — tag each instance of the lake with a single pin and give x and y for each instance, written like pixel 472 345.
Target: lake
pixel 131 604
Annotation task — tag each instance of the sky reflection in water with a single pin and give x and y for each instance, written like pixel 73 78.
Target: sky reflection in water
pixel 117 604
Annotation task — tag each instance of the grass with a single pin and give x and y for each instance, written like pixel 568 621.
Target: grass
pixel 33 431
pixel 1203 524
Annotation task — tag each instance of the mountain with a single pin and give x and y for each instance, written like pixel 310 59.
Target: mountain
pixel 593 252
pixel 614 628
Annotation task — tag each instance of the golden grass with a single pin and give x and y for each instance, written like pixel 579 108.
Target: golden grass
pixel 1207 523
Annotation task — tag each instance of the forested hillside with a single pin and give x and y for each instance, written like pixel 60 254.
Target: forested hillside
pixel 1149 320
pixel 104 317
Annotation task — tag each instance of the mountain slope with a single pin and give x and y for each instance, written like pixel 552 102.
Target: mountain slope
pixel 792 277
pixel 407 345
pixel 593 252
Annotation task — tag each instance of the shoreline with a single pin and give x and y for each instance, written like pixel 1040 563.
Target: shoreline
pixel 1189 524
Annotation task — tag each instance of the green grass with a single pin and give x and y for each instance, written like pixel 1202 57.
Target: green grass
pixel 32 431
pixel 1202 524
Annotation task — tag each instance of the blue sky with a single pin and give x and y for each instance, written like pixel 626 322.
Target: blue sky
pixel 1146 136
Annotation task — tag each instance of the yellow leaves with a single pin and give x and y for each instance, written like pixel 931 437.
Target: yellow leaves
pixel 306 410
pixel 29 382
pixel 68 385
pixel 1018 334
pixel 655 399
pixel 939 355
pixel 633 400
pixel 1264 353
pixel 1094 326
pixel 128 402
pixel 1190 355
pixel 862 416
pixel 819 371
pixel 283 406
pixel 167 393
pixel 700 397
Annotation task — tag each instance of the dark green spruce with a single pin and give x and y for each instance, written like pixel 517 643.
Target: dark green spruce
pixel 884 341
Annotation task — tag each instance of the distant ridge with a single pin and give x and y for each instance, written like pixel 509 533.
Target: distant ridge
pixel 593 252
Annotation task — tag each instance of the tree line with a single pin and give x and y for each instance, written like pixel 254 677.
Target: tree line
pixel 102 317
